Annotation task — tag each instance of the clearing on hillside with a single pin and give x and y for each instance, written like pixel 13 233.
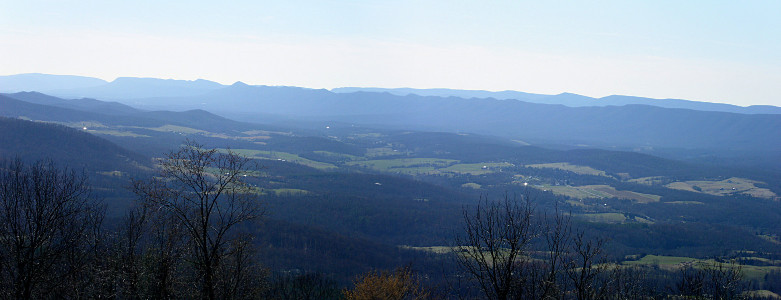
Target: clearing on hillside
pixel 724 187
pixel 582 170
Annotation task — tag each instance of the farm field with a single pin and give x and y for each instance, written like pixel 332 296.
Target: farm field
pixel 282 156
pixel 599 191
pixel 724 187
pixel 582 170
pixel 673 263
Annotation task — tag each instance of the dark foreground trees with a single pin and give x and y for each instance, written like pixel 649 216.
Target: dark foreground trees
pixel 49 231
pixel 510 250
pixel 513 251
pixel 191 212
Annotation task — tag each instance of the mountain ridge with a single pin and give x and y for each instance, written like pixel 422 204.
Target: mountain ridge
pixel 132 88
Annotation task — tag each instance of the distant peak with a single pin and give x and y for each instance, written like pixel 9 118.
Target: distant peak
pixel 239 83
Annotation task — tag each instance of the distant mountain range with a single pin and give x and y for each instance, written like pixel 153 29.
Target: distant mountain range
pixel 572 100
pixel 615 122
pixel 130 88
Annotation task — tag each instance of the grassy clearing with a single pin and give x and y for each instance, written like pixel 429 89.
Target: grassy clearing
pixel 433 249
pixel 627 195
pixel 724 187
pixel 653 180
pixel 685 202
pixel 762 294
pixel 471 185
pixel 600 192
pixel 290 192
pixel 475 169
pixel 174 128
pixel 662 260
pixel 282 156
pixel 576 203
pixel 672 263
pixel 405 165
pixel 112 173
pixel 337 155
pixel 582 170
pixel 116 133
pixel 603 217
pixel 264 132
pixel 383 151
pixel 643 220
pixel 572 191
pixel 771 239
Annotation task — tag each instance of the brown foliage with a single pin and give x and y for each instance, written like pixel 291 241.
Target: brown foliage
pixel 399 284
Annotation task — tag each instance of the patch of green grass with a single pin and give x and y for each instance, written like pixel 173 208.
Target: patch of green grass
pixel 661 260
pixel 383 151
pixel 724 187
pixel 572 192
pixel 652 180
pixel 769 238
pixel 582 170
pixel 576 203
pixel 627 195
pixel 433 249
pixel 471 185
pixel 290 192
pixel 761 294
pixel 337 155
pixel 116 133
pixel 675 262
pixel 112 173
pixel 685 202
pixel 175 128
pixel 603 217
pixel 643 220
pixel 475 169
pixel 282 156
pixel 404 165
pixel 599 192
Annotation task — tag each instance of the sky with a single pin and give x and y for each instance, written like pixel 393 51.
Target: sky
pixel 715 51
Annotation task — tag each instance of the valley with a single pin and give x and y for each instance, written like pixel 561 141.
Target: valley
pixel 401 192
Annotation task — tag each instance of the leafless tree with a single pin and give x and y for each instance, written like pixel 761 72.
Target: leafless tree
pixel 149 255
pixel 724 279
pixel 556 231
pixel 494 245
pixel 715 280
pixel 49 229
pixel 495 250
pixel 588 268
pixel 204 191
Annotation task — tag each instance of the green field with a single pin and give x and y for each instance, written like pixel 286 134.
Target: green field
pixel 337 155
pixel 174 128
pixel 684 202
pixel 603 217
pixel 404 165
pixel 383 151
pixel 582 170
pixel 116 133
pixel 724 187
pixel 471 185
pixel 289 192
pixel 282 156
pixel 675 262
pixel 475 169
pixel 599 191
pixel 653 180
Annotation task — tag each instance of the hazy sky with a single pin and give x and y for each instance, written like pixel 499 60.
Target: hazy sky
pixel 717 51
